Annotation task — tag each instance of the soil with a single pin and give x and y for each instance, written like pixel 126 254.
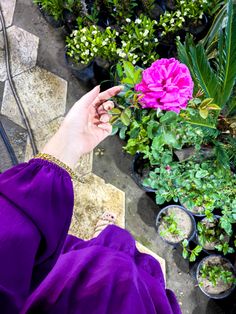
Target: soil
pixel 211 245
pixel 184 223
pixel 221 287
pixel 196 210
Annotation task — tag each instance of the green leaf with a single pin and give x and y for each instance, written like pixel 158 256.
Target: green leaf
pixel 214 29
pixel 168 117
pixel 128 112
pixel 203 113
pixel 122 132
pixel 124 118
pixel 129 70
pixel 229 61
pixel 160 199
pixel 119 70
pixel 114 130
pixel 115 111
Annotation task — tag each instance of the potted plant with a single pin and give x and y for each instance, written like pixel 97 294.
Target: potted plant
pixel 216 277
pixel 174 224
pixel 52 11
pixel 211 236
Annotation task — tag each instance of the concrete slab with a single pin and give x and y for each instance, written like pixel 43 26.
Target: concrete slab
pixel 8 8
pixel 42 94
pixel 92 198
pixel 23 51
pixel 17 136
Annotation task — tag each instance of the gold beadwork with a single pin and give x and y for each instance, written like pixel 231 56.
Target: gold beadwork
pixel 57 162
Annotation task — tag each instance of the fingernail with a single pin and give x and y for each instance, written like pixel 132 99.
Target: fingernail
pixel 121 87
pixel 97 87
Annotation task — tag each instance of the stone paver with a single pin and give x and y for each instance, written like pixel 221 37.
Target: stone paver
pixel 42 94
pixel 8 8
pixel 17 136
pixel 23 51
pixel 92 198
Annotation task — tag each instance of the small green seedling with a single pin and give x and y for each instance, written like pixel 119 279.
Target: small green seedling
pixel 171 226
pixel 190 254
pixel 216 273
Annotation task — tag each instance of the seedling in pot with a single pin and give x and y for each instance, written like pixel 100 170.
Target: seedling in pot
pixel 212 236
pixel 216 276
pixel 175 224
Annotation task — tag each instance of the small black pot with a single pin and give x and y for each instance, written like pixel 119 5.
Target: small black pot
pixel 158 221
pixel 196 30
pixel 69 20
pixel 215 296
pixel 192 213
pixel 207 250
pixel 83 72
pixel 139 166
pixel 50 19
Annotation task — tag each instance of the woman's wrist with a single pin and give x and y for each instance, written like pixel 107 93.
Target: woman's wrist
pixel 59 147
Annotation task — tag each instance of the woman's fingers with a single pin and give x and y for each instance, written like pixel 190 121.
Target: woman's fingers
pixel 108 105
pixel 105 118
pixel 104 96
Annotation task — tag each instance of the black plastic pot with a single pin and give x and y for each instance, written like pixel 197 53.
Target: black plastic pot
pixel 139 167
pixel 192 213
pixel 69 19
pixel 221 295
pixel 83 72
pixel 158 222
pixel 207 250
pixel 50 19
pixel 196 30
pixel 102 73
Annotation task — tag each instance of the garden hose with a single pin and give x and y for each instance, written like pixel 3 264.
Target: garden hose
pixel 8 145
pixel 17 99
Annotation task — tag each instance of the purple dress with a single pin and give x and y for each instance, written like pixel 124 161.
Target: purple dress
pixel 44 270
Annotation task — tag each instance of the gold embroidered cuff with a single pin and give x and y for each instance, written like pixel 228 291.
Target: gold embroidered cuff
pixel 57 162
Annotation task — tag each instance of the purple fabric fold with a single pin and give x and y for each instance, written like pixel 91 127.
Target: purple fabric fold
pixel 44 270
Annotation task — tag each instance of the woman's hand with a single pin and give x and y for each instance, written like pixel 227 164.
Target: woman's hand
pixel 84 127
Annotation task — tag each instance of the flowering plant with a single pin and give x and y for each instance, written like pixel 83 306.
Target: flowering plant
pixel 134 42
pixel 167 85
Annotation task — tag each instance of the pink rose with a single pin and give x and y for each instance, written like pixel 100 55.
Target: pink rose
pixel 166 84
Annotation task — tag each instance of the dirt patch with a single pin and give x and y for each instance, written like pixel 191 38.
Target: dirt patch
pixel 183 223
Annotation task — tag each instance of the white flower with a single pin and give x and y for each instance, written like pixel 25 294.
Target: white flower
pixel 95 49
pixel 172 21
pixel 117 34
pixel 155 40
pixel 124 44
pixel 94 32
pixel 83 38
pixel 138 21
pixel 178 37
pixel 145 32
pixel 128 20
pixel 83 30
pixel 145 43
pixel 86 52
pixel 145 62
pixel 129 36
pixel 178 13
pixel 164 24
pixel 86 44
pixel 134 61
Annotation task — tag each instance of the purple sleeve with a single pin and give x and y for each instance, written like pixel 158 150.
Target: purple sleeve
pixel 36 203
